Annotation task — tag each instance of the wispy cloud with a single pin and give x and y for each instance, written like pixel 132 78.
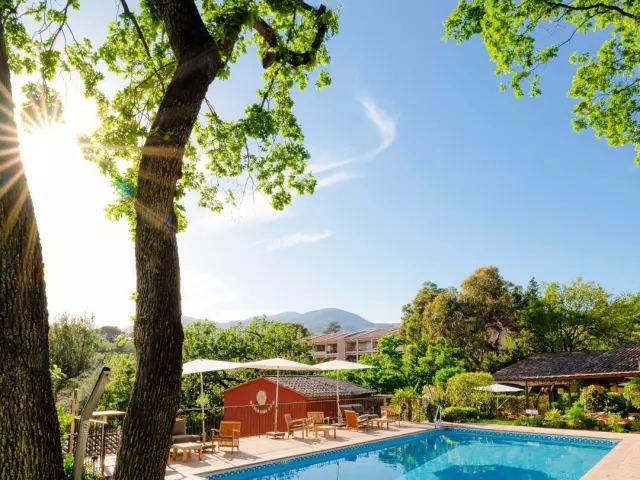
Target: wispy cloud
pixel 340 177
pixel 386 127
pixel 298 239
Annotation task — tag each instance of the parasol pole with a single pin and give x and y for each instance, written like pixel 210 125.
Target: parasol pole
pixel 204 433
pixel 338 396
pixel 275 420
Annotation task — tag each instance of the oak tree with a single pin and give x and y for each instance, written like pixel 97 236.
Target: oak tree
pixel 522 35
pixel 29 438
pixel 161 137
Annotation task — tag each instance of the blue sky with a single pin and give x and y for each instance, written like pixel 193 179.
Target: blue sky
pixel 446 174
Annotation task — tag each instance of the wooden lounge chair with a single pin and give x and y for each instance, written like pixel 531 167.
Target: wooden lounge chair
pixel 316 424
pixel 355 422
pixel 298 425
pixel 228 435
pixel 389 414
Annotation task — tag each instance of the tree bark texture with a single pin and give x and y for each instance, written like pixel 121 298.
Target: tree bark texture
pixel 29 432
pixel 158 330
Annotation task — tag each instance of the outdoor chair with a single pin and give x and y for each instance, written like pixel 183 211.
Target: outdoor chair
pixel 179 433
pixel 316 424
pixel 355 422
pixel 298 425
pixel 228 435
pixel 389 414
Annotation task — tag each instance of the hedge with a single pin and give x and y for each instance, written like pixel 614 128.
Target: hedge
pixel 460 414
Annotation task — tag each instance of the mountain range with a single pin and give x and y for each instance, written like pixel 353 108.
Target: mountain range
pixel 314 321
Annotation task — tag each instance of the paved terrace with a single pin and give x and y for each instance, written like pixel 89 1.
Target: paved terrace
pixel 623 462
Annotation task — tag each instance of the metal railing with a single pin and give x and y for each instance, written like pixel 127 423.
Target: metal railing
pixel 437 418
pixel 258 419
pixel 103 440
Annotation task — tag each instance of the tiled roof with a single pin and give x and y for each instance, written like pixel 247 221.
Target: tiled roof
pixel 328 337
pixel 624 358
pixel 375 333
pixel 316 386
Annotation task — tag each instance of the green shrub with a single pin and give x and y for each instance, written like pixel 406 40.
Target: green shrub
pixel 593 399
pixel 460 414
pixel 64 420
pixel 634 426
pixel 575 398
pixel 513 403
pixel 555 424
pixel 576 418
pixel 632 393
pixel 553 415
pixel 461 393
pixel 613 403
pixel 430 411
pixel 87 472
pixel 530 421
pixel 574 415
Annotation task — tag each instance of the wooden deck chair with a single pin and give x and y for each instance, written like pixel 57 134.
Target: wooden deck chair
pixel 228 435
pixel 298 425
pixel 390 414
pixel 355 422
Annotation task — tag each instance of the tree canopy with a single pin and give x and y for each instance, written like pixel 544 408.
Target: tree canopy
pixel 262 150
pixel 333 327
pixel 521 36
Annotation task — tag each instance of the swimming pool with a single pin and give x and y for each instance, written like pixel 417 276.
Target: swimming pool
pixel 446 454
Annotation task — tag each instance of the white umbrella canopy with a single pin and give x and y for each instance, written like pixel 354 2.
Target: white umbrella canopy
pixel 201 366
pixel 278 364
pixel 341 365
pixel 498 388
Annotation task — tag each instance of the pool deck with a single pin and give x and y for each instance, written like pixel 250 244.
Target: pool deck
pixel 623 462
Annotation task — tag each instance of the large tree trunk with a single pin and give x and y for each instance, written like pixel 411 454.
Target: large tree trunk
pixel 29 431
pixel 158 329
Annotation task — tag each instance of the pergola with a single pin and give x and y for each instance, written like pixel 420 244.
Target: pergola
pixel 561 369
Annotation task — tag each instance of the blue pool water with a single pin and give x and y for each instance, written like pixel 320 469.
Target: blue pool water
pixel 444 455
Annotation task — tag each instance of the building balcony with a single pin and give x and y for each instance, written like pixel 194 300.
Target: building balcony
pixel 325 354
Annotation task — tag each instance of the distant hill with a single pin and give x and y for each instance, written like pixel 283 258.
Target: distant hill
pixel 315 321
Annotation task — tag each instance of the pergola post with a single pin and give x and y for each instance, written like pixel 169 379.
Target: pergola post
pixel 569 395
pixel 526 395
pixel 550 395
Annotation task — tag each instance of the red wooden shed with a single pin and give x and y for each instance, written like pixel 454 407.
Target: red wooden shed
pixel 253 402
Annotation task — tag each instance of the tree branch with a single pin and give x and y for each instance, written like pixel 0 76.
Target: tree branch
pixel 296 59
pixel 132 17
pixel 615 8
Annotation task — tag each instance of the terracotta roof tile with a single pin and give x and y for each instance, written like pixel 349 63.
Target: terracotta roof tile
pixel 317 386
pixel 624 358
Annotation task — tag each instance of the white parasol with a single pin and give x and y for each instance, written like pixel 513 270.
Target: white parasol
pixel 341 365
pixel 201 366
pixel 498 388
